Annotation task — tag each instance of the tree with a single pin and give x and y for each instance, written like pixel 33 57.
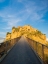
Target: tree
pixel 8 33
pixel 13 27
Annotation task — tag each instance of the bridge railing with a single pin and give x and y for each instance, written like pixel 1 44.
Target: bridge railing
pixel 7 45
pixel 40 49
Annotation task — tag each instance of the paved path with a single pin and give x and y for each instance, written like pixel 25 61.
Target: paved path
pixel 21 54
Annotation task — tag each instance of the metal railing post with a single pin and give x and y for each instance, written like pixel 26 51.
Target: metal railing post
pixel 36 46
pixel 43 52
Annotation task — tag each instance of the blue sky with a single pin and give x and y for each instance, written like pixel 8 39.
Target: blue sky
pixel 23 12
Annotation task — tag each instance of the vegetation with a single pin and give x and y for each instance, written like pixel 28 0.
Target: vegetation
pixel 8 33
pixel 13 27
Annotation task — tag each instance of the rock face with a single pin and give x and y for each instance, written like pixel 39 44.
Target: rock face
pixel 27 31
pixel 8 36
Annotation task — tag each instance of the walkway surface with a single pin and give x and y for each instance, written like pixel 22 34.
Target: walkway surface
pixel 21 54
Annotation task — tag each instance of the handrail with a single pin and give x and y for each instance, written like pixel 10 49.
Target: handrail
pixel 40 49
pixel 5 46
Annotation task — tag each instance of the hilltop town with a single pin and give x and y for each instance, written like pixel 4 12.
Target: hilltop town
pixel 26 31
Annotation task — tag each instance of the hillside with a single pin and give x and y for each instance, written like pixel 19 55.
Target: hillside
pixel 27 31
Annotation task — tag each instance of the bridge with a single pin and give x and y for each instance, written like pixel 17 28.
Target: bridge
pixel 23 51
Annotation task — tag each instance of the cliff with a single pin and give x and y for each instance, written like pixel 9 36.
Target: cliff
pixel 27 31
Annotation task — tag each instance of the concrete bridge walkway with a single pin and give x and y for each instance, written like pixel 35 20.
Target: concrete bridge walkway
pixel 21 54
